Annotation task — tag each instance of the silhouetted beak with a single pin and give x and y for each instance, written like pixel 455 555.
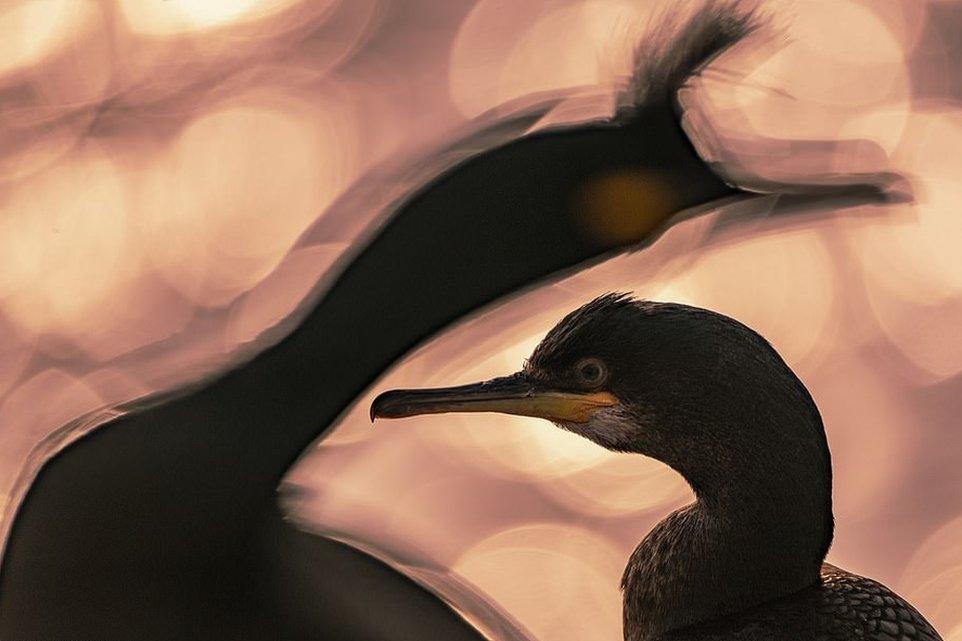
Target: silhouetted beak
pixel 513 394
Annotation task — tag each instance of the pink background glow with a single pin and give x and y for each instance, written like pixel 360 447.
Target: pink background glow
pixel 161 165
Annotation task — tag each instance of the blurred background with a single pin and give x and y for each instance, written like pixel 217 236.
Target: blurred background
pixel 164 164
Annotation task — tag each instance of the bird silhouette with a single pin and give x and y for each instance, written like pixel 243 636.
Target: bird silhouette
pixel 162 522
pixel 709 397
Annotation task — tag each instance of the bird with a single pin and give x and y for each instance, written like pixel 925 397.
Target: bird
pixel 712 399
pixel 163 522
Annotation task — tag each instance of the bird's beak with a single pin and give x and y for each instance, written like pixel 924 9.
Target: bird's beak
pixel 513 394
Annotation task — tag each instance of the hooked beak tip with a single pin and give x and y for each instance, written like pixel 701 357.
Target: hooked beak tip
pixel 382 404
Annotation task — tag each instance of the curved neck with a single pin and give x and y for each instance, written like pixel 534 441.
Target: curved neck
pixel 758 531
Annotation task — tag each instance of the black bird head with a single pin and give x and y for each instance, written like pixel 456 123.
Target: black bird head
pixel 711 398
pixel 690 387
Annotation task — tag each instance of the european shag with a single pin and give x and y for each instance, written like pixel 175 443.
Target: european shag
pixel 711 398
pixel 163 522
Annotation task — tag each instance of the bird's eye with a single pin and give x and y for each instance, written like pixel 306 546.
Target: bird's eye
pixel 592 372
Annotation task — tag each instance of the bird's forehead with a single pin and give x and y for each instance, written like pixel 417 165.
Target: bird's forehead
pixel 557 349
pixel 584 331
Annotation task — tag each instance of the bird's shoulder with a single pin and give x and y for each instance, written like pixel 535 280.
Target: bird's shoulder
pixel 843 607
pixel 866 609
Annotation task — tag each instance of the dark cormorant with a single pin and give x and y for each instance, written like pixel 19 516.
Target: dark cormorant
pixel 163 523
pixel 712 399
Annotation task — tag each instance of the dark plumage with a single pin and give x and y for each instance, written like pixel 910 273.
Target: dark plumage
pixel 711 398
pixel 162 523
pixel 841 606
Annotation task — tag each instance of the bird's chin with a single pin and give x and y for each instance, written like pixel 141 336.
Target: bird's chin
pixel 610 427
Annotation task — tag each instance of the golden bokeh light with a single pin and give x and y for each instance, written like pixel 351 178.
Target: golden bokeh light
pixel 933 577
pixel 865 484
pixel 66 246
pixel 33 30
pixel 922 239
pixel 615 27
pixel 236 190
pixel 15 354
pixel 81 75
pixel 507 50
pixel 621 485
pixel 479 53
pixel 535 65
pixel 554 568
pixel 912 263
pixel 790 271
pixel 851 62
pixel 515 445
pixel 281 292
pixel 160 162
pixel 171 17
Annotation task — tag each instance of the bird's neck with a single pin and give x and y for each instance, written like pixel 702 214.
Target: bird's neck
pixel 739 544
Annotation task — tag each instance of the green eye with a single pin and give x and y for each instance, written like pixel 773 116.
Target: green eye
pixel 592 371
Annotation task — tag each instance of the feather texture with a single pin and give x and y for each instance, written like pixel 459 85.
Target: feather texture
pixel 844 607
pixel 680 43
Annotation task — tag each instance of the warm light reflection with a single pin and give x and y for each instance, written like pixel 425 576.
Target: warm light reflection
pixel 790 271
pixel 478 54
pixel 280 293
pixel 35 29
pixel 913 274
pixel 174 16
pixel 237 189
pixel 506 50
pixel 49 398
pixel 528 446
pixel 864 485
pixel 66 247
pixel 833 62
pixel 161 161
pixel 782 283
pixel 15 353
pixel 534 65
pixel 934 577
pixel 620 485
pixel 554 569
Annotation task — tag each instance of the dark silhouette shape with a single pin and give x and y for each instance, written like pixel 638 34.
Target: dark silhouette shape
pixel 163 522
pixel 711 398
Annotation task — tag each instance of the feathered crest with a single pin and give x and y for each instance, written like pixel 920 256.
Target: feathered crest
pixel 679 43
pixel 603 305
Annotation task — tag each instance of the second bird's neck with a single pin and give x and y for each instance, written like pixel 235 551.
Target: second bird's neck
pixel 741 545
